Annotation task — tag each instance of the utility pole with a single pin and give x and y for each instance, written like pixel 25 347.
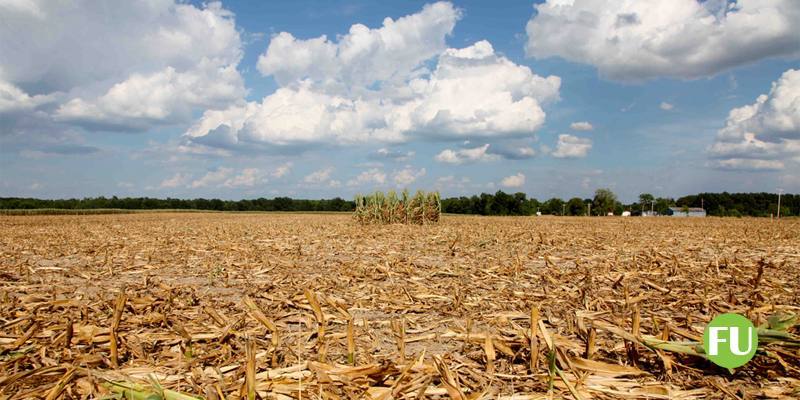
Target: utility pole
pixel 590 209
pixel 652 203
pixel 780 191
pixel 563 209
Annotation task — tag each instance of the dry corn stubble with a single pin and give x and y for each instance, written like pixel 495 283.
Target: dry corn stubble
pixel 319 306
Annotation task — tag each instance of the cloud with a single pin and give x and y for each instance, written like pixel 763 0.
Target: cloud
pixel 510 151
pixel 396 155
pixel 14 100
pixel 130 67
pixel 249 177
pixel 475 92
pixel 765 134
pixel 212 178
pixel 179 179
pixel 687 39
pixel 513 181
pixel 451 181
pixel 526 152
pixel 408 175
pixel 166 96
pixel 569 146
pixel 375 85
pixel 48 148
pixel 581 126
pixel 363 55
pixel 372 176
pixel 282 170
pixel 319 176
pixel 745 164
pixel 461 156
pixel 666 106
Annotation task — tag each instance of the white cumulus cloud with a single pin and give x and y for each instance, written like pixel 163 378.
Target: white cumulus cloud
pixel 408 175
pixel 395 155
pixel 375 85
pixel 179 179
pixel 461 156
pixel 248 177
pixel 526 152
pixel 319 176
pixel 631 40
pixel 765 134
pixel 282 170
pixel 371 176
pixel 14 100
pixel 666 106
pixel 129 66
pixel 569 146
pixel 363 55
pixel 581 126
pixel 212 178
pixel 514 181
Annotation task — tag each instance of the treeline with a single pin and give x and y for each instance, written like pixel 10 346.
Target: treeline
pixel 605 201
pixel 499 203
pixel 148 203
pixel 743 204
pixel 502 203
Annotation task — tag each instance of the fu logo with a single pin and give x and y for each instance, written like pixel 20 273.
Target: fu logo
pixel 730 340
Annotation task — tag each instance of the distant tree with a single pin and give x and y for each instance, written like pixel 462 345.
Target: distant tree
pixel 531 206
pixel 604 201
pixel 553 206
pixel 646 198
pixel 716 204
pixel 645 201
pixel 663 204
pixel 576 206
pixel 502 204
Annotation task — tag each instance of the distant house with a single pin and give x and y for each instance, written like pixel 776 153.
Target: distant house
pixel 649 213
pixel 686 212
pixel 626 213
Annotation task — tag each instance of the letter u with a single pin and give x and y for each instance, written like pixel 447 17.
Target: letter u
pixel 734 342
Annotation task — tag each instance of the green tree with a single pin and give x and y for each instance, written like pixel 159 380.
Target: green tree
pixel 605 201
pixel 553 206
pixel 662 204
pixel 646 201
pixel 646 198
pixel 576 206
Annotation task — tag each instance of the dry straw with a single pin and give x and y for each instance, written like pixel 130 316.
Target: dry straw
pixel 379 208
pixel 293 306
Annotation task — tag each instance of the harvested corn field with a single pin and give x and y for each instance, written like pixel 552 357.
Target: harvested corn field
pixel 293 306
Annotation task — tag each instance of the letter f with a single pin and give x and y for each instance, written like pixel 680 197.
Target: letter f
pixel 714 339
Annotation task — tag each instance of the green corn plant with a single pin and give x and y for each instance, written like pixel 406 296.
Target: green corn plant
pixel 379 208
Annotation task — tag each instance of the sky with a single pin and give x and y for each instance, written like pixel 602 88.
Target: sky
pixel 305 99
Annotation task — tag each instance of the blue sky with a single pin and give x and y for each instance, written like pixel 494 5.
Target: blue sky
pixel 246 99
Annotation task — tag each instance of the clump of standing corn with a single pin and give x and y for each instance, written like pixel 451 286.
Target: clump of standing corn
pixel 379 208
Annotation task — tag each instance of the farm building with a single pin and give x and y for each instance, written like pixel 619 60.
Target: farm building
pixel 686 212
